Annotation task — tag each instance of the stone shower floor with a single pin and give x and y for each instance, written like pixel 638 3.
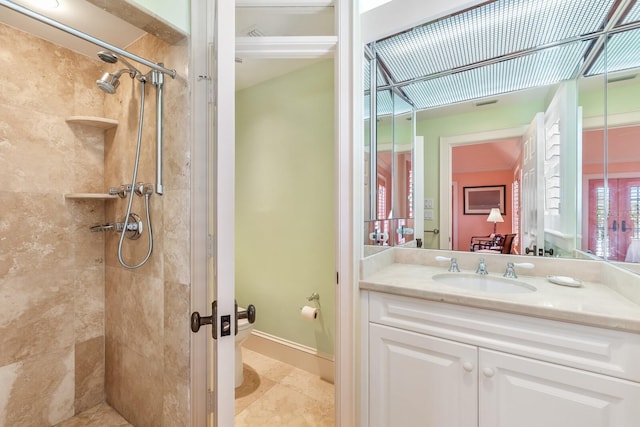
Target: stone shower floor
pixel 102 415
pixel 273 394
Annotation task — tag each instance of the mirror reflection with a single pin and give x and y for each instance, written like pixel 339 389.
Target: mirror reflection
pixel 389 172
pixel 556 126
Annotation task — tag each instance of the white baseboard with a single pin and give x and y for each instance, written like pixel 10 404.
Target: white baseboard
pixel 300 356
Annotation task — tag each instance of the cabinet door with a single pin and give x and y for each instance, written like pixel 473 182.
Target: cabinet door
pixel 516 391
pixel 417 380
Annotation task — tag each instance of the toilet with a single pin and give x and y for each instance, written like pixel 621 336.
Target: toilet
pixel 245 326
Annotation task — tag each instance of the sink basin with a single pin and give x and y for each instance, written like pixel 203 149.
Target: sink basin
pixel 476 282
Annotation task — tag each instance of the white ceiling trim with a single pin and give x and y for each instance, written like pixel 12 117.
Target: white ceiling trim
pixel 286 47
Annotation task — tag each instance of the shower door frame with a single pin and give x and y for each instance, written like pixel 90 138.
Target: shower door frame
pixel 212 60
pixel 214 250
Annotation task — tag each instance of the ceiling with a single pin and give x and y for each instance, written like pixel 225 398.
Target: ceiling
pixel 504 47
pixel 278 22
pixel 250 21
pixel 487 156
pixel 80 15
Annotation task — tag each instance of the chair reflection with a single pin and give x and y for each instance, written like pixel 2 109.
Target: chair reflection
pixel 493 243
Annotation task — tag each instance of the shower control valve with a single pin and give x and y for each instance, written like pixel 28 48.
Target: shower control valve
pixel 121 191
pixel 143 189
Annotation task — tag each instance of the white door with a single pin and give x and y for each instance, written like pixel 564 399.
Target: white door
pixel 213 160
pixel 516 391
pixel 532 215
pixel 418 380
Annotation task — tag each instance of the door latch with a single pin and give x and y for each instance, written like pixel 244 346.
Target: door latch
pixel 225 326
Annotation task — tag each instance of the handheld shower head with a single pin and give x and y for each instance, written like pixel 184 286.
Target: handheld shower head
pixel 112 58
pixel 108 57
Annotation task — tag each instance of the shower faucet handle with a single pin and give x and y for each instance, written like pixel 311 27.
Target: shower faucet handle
pixel 121 191
pixel 143 189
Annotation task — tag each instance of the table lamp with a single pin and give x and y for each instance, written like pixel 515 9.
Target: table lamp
pixel 494 217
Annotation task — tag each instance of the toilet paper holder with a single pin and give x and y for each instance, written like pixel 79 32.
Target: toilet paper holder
pixel 313 297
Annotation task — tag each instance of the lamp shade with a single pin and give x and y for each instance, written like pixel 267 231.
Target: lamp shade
pixel 494 216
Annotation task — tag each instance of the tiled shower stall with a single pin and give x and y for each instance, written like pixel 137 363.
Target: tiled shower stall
pixel 75 327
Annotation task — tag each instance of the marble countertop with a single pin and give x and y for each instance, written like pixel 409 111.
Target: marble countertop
pixel 591 304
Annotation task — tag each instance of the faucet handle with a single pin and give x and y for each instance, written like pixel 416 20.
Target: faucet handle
pixel 453 268
pixel 523 264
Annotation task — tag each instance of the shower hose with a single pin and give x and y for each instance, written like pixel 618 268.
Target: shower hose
pixel 147 194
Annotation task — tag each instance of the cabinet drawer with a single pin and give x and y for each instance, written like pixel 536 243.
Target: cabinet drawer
pixel 605 351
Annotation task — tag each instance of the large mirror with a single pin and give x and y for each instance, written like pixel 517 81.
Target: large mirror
pixel 611 152
pixel 539 124
pixel 389 178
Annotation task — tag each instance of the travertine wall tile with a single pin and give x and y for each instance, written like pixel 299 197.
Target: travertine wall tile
pixel 51 266
pixel 36 315
pixel 45 233
pixel 134 313
pixel 176 236
pixel 38 391
pixel 42 151
pixel 176 322
pixel 176 397
pixel 135 387
pixel 65 302
pixel 38 70
pixel 147 309
pixel 114 371
pixel 175 405
pixel 89 304
pixel 89 373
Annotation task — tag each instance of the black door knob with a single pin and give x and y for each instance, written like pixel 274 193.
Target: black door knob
pixel 249 313
pixel 197 321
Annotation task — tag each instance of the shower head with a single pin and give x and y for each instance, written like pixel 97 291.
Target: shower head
pixel 107 56
pixel 111 58
pixel 109 82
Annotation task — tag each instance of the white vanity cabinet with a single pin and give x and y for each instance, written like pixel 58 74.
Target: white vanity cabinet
pixel 418 380
pixel 518 391
pixel 441 365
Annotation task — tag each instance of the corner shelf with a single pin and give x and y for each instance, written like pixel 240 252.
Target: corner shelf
pixel 89 196
pixel 96 122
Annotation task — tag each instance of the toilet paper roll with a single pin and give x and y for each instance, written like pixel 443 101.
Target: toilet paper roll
pixel 310 314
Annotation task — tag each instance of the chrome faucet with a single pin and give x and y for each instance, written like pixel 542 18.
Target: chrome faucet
pixel 453 267
pixel 482 268
pixel 510 272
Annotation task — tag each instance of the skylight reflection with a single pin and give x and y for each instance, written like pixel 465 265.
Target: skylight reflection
pixel 543 68
pixel 487 32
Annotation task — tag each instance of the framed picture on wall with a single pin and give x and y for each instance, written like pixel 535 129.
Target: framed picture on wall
pixel 480 200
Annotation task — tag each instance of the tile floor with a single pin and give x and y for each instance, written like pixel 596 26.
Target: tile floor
pixel 273 394
pixel 277 394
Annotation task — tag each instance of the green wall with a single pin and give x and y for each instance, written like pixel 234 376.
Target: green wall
pixel 285 244
pixel 622 97
pixel 175 12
